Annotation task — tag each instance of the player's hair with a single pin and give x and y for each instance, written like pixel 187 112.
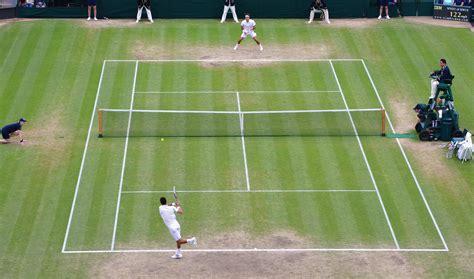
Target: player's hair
pixel 247 15
pixel 163 200
pixel 443 60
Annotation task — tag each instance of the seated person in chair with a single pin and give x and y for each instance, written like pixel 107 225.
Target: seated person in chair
pixel 441 76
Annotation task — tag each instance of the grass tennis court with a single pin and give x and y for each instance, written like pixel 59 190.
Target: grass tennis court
pixel 308 203
pixel 329 172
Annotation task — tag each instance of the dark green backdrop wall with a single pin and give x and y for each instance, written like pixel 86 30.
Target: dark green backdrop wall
pixel 213 8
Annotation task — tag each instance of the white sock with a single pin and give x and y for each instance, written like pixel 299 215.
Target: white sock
pixel 178 252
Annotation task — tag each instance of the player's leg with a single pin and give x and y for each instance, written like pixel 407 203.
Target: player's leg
pixel 380 12
pixel 95 12
pixel 434 88
pixel 254 37
pixel 139 13
pixel 326 15
pixel 242 37
pixel 88 12
pixel 224 14
pixel 234 14
pixel 6 138
pixel 386 13
pixel 148 10
pixel 311 16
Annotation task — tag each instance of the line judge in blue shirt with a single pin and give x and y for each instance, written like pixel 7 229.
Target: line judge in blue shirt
pixel 13 130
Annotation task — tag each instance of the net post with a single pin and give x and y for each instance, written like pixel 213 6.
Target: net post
pixel 383 122
pixel 101 127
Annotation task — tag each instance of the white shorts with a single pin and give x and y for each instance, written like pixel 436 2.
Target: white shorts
pixel 175 232
pixel 246 33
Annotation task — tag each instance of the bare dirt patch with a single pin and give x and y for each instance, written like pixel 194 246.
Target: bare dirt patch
pixel 244 240
pixel 257 264
pixel 108 23
pixel 437 22
pixel 430 156
pixel 247 51
pixel 51 136
pixel 7 21
pixel 357 23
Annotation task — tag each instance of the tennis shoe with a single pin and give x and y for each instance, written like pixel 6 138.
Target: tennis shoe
pixel 177 256
pixel 236 47
pixel 95 18
pixel 380 17
pixel 193 241
pixel 261 47
pixel 88 18
pixel 387 17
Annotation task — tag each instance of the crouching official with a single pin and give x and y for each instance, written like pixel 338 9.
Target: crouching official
pixel 229 4
pixel 319 5
pixel 13 130
pixel 147 5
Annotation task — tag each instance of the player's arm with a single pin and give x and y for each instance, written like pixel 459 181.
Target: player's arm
pixel 20 135
pixel 179 209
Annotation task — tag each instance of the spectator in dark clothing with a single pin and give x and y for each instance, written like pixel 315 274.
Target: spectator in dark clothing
pixel 383 4
pixel 319 5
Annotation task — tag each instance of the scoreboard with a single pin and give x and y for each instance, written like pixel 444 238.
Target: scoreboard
pixel 456 13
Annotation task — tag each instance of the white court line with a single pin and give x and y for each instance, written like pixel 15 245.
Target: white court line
pixel 240 112
pixel 253 191
pixel 289 250
pixel 440 234
pixel 233 92
pixel 76 191
pixel 365 159
pixel 112 246
pixel 238 60
pixel 241 118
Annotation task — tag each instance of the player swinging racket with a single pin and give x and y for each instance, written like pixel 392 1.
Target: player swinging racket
pixel 168 213
pixel 147 5
pixel 248 29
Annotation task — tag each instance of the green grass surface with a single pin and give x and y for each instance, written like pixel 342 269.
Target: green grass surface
pixel 49 73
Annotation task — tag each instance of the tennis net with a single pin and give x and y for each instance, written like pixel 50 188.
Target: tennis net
pixel 175 123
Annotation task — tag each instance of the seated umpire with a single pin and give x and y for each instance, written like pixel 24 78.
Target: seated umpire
pixel 13 130
pixel 441 76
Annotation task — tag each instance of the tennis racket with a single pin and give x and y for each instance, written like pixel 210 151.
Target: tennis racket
pixel 174 193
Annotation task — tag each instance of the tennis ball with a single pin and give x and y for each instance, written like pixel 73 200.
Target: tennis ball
pixel 162 139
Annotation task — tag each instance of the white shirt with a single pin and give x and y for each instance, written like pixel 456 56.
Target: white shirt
pixel 248 26
pixel 168 213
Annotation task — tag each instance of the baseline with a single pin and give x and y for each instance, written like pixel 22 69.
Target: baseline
pixel 233 92
pixel 288 250
pixel 251 191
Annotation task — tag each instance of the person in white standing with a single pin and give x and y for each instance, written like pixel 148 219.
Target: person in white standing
pixel 147 5
pixel 319 5
pixel 248 29
pixel 229 4
pixel 168 213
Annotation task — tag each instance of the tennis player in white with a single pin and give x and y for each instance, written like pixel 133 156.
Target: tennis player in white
pixel 168 213
pixel 248 29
